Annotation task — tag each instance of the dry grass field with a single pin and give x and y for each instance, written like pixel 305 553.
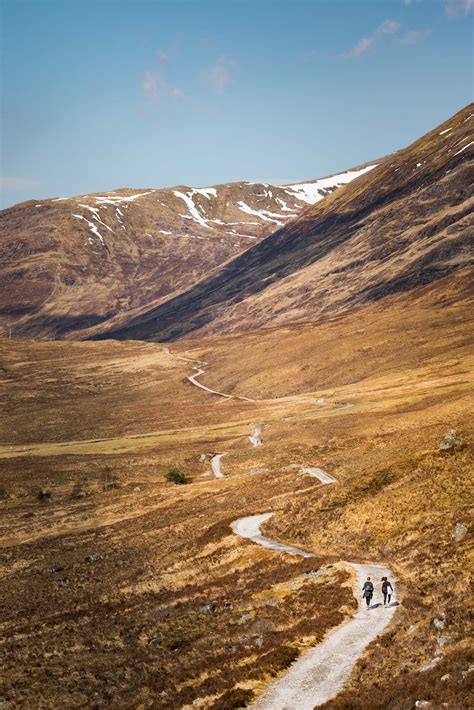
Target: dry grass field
pixel 122 590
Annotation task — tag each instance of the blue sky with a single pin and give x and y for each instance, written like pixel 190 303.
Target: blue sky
pixel 103 94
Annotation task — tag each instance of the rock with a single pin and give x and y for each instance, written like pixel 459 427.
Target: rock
pixel 459 533
pixel 439 624
pixel 56 568
pixel 228 605
pixel 247 617
pixel 465 673
pixel 64 582
pixel 412 629
pixel 442 641
pixel 208 608
pixel 202 458
pixel 423 704
pixel 258 642
pixel 431 664
pixel 450 441
pixel 446 677
pixel 93 558
pixel 137 489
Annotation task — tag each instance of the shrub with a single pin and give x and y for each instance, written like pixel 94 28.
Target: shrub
pixel 176 475
pixel 233 699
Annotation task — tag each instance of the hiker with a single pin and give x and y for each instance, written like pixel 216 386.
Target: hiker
pixel 387 591
pixel 368 591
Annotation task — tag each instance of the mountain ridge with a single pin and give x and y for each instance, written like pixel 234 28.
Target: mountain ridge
pixel 400 226
pixel 70 263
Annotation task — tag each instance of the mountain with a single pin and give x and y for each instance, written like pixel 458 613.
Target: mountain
pixel 67 264
pixel 404 224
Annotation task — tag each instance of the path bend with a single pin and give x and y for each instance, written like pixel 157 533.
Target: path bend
pixel 320 673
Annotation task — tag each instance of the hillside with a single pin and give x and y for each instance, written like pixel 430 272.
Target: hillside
pixel 121 589
pixel 69 264
pixel 405 223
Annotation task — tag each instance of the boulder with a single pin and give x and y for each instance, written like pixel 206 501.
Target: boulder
pixel 459 533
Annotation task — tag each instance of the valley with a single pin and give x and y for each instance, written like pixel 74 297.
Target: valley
pixel 204 450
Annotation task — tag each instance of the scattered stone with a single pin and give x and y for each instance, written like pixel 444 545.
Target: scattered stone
pixel 137 489
pixel 465 673
pixel 258 642
pixel 431 664
pixel 208 608
pixel 247 617
pixel 459 533
pixel 439 624
pixel 412 629
pixel 423 704
pixel 442 641
pixel 446 677
pixel 450 441
pixel 93 558
pixel 56 568
pixel 64 582
pixel 228 605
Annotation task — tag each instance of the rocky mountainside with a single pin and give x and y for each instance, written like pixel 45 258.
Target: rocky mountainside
pixel 404 224
pixel 67 264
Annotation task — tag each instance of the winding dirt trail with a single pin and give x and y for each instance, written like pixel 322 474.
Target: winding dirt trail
pixel 321 672
pixel 198 372
pixel 320 474
pixel 216 466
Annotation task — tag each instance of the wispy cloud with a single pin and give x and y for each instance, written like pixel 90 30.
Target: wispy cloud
pixel 221 74
pixel 458 8
pixel 413 37
pixel 16 183
pixel 155 86
pixel 365 44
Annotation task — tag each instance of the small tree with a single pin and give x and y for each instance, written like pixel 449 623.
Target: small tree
pixel 175 475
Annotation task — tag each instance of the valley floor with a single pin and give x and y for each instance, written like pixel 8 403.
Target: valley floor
pixel 120 589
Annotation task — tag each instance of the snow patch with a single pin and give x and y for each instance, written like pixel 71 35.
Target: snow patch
pixel 93 229
pixel 466 146
pixel 263 214
pixel 187 198
pixel 312 192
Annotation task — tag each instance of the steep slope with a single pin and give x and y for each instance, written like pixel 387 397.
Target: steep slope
pixel 404 224
pixel 68 264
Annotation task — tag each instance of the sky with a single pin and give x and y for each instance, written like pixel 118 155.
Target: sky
pixel 103 94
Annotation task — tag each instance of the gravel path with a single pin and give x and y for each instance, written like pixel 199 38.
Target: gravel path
pixel 319 473
pixel 320 673
pixel 254 438
pixel 216 466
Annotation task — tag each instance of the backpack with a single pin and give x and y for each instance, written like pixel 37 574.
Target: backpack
pixel 368 589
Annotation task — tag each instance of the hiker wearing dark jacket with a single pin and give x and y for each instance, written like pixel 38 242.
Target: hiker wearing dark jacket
pixel 387 591
pixel 368 591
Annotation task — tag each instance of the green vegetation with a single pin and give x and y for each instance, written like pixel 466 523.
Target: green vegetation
pixel 174 474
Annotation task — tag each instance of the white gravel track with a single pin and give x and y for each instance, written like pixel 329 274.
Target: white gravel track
pixel 320 673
